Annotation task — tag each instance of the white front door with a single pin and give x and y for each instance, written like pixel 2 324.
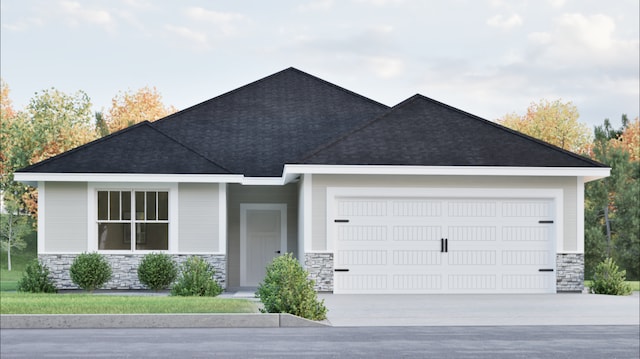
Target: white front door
pixel 263 236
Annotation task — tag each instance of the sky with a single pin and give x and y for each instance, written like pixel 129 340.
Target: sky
pixel 486 57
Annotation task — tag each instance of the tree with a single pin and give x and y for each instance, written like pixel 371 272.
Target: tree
pixel 129 108
pixel 553 122
pixel 52 123
pixel 620 195
pixel 13 229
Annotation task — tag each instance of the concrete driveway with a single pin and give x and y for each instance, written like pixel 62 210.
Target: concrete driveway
pixel 482 309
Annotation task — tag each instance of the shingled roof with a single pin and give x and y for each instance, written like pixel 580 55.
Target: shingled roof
pixel 140 148
pixel 292 117
pixel 424 132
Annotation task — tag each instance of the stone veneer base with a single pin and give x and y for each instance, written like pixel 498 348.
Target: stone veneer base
pixel 320 268
pixel 569 272
pixel 124 268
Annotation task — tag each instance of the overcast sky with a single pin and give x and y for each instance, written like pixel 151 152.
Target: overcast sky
pixel 487 57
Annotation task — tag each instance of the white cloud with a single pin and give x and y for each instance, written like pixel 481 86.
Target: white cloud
pixel 385 67
pixel 579 40
pixel 197 39
pixel 505 23
pixel 316 5
pixel 77 13
pixel 227 22
pixel 380 2
pixel 556 3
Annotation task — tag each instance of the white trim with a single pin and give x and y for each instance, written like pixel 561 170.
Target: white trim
pixel 590 173
pixel 92 215
pixel 222 218
pixel 41 216
pixel 307 215
pixel 291 172
pixel 244 207
pixel 580 215
pixel 557 195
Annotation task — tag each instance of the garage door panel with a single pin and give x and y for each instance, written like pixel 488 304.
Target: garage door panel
pixel 416 258
pixel 365 208
pixel 472 257
pixel 360 283
pixel 362 233
pixel 528 208
pixel 472 208
pixel 472 282
pixel 361 257
pixel 416 208
pixel 417 282
pixel 526 258
pixel 526 282
pixel 417 233
pixel 526 233
pixel 472 233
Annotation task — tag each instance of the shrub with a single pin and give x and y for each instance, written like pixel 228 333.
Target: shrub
pixel 90 271
pixel 157 271
pixel 608 279
pixel 287 289
pixel 196 279
pixel 36 279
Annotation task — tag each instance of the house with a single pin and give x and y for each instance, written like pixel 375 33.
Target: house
pixel 417 198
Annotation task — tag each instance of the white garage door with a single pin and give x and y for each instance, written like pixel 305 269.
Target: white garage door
pixel 434 245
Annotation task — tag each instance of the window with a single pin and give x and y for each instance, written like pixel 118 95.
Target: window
pixel 147 229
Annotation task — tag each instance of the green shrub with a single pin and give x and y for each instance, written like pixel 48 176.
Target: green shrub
pixel 90 271
pixel 609 279
pixel 196 279
pixel 287 289
pixel 36 279
pixel 157 271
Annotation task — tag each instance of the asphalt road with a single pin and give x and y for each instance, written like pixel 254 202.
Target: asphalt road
pixel 348 342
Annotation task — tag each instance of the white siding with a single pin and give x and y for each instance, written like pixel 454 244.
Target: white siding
pixel 66 217
pixel 322 182
pixel 198 218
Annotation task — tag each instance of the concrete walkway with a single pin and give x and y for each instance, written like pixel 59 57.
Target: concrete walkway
pixel 483 309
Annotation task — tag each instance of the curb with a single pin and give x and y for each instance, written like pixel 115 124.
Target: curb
pixel 99 321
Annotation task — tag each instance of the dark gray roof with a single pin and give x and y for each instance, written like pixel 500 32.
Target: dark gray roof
pixel 293 117
pixel 137 149
pixel 424 132
pixel 256 129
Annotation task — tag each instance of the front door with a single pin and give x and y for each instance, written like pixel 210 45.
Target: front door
pixel 263 236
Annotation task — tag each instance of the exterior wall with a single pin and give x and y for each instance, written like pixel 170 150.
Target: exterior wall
pixel 124 267
pixel 198 218
pixel 322 182
pixel 237 194
pixel 569 272
pixel 65 224
pixel 320 268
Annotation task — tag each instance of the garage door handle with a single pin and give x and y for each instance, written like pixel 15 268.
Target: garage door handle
pixel 545 270
pixel 341 220
pixel 444 245
pixel 441 245
pixel 340 270
pixel 545 221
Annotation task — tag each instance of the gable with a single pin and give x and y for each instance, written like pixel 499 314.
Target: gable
pixel 138 149
pixel 424 132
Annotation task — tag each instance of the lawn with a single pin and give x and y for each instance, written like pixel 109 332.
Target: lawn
pixel 28 303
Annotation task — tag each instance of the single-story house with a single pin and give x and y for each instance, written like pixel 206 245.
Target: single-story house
pixel 420 197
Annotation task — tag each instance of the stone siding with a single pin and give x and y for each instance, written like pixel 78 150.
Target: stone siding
pixel 570 272
pixel 124 268
pixel 320 268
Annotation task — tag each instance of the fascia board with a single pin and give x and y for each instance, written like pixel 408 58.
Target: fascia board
pixel 31 177
pixel 589 173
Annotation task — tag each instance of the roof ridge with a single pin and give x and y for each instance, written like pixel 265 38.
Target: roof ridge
pixel 512 131
pixel 357 129
pixel 256 82
pixel 189 148
pixel 83 146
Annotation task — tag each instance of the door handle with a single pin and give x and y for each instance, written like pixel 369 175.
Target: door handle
pixel 277 252
pixel 446 245
pixel 340 270
pixel 441 245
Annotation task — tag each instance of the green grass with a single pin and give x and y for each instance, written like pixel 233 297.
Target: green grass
pixel 635 285
pixel 28 303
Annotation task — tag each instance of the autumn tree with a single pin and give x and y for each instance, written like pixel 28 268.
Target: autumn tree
pixel 619 196
pixel 555 122
pixel 52 123
pixel 129 108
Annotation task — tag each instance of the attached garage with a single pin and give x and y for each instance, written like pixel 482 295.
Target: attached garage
pixel 438 241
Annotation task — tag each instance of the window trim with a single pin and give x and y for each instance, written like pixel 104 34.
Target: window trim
pixel 92 228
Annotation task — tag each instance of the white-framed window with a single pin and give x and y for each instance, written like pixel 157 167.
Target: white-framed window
pixel 133 220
